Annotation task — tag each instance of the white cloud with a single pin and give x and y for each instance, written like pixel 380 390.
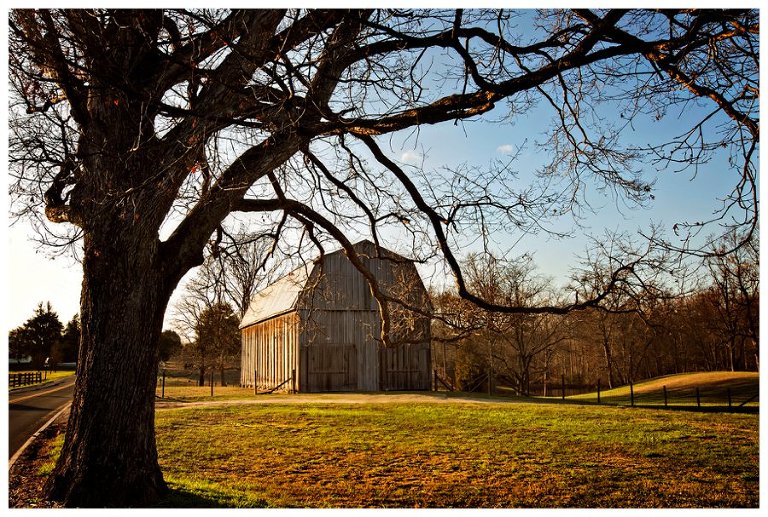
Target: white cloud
pixel 412 157
pixel 505 149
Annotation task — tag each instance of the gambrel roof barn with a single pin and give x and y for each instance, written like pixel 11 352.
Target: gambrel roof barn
pixel 318 328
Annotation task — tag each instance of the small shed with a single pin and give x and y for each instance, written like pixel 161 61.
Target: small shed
pixel 318 328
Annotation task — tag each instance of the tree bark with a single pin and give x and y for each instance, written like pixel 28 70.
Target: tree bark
pixel 109 456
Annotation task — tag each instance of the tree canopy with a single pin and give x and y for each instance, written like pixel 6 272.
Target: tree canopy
pixel 282 112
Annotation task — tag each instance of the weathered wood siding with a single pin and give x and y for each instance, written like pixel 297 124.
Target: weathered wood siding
pixel 271 353
pixel 339 312
pixel 332 337
pixel 405 367
pixel 328 332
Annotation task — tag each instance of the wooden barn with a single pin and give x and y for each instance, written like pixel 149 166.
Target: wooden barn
pixel 318 328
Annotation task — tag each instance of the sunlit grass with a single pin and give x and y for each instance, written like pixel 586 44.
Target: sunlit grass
pixel 192 393
pixel 53 451
pixel 457 455
pixel 714 390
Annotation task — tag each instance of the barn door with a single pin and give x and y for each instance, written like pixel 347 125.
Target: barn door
pixel 404 368
pixel 331 368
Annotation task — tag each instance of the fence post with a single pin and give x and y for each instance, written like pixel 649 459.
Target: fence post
pixel 162 390
pixel 211 382
pixel 665 395
pixel 293 380
pixel 255 386
pixel 598 391
pixel 562 386
pixel 729 398
pixel 698 398
pixel 631 394
pixel 489 380
pixel 434 379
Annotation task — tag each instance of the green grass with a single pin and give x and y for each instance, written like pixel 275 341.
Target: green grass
pixel 53 451
pixel 456 454
pixel 191 393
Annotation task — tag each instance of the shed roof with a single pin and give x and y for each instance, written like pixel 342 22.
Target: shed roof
pixel 277 298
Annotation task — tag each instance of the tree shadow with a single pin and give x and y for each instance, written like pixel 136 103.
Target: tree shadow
pixel 178 497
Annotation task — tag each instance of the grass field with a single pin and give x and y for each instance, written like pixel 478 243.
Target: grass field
pixel 457 454
pixel 453 450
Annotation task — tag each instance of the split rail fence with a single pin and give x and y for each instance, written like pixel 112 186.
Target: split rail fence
pixel 23 379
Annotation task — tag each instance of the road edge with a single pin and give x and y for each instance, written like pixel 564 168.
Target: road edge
pixel 36 434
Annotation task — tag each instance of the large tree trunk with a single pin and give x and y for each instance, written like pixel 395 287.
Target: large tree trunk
pixel 109 456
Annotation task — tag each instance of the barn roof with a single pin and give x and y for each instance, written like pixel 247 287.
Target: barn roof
pixel 277 298
pixel 281 297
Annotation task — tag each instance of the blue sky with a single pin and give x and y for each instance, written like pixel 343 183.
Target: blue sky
pixel 36 278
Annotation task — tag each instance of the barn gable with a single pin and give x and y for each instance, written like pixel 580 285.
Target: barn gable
pixel 319 327
pixel 278 298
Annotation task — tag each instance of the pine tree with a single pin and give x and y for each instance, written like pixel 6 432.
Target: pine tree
pixel 38 336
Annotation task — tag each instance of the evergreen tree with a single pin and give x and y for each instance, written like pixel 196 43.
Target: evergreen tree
pixel 70 341
pixel 170 344
pixel 38 336
pixel 218 338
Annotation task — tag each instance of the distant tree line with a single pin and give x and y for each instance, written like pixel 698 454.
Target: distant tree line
pixel 216 299
pixel 43 336
pixel 639 332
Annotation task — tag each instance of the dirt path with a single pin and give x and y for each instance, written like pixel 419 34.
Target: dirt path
pixel 339 398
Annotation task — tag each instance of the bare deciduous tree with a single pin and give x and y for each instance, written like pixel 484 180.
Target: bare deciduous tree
pixel 735 280
pixel 127 125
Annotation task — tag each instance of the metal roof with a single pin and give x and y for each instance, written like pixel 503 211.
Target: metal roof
pixel 281 297
pixel 277 298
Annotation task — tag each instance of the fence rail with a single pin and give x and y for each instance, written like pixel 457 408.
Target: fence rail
pixel 23 379
pixel 175 383
pixel 728 398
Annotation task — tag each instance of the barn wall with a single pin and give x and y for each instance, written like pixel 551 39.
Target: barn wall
pixel 333 340
pixel 271 353
pixel 406 367
pixel 341 316
pixel 332 336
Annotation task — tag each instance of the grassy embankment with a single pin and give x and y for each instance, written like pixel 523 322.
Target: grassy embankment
pixel 714 389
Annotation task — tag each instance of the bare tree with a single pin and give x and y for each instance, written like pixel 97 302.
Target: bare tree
pixel 514 341
pixel 127 125
pixel 735 282
pixel 241 264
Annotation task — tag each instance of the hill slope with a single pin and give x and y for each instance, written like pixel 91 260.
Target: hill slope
pixel 713 388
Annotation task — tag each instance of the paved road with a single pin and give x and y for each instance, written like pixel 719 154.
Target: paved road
pixel 29 410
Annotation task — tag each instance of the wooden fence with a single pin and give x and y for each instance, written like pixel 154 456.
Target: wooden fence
pixel 173 383
pixel 23 379
pixel 731 399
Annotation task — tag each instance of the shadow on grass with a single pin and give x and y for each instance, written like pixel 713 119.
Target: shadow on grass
pixel 182 497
